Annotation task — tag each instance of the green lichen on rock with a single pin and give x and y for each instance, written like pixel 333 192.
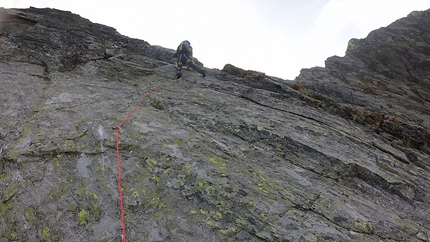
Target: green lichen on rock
pixel 56 162
pixel 72 207
pixel 29 214
pixel 151 164
pixel 83 217
pixel 60 191
pixel 3 209
pixel 46 233
pixel 91 214
pixel 228 231
pixel 95 212
pixel 219 162
pixel 10 191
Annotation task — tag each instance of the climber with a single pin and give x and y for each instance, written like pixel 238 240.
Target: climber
pixel 184 56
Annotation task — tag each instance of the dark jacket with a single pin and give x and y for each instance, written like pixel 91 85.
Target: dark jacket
pixel 184 54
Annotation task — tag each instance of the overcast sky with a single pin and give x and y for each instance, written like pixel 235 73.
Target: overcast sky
pixel 278 37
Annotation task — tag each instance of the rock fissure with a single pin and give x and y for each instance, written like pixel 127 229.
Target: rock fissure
pixel 282 110
pixel 338 154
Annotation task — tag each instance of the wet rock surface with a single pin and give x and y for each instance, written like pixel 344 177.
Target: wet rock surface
pixel 339 154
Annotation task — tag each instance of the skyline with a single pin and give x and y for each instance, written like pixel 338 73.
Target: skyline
pixel 277 37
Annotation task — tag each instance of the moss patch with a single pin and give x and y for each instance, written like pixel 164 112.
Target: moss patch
pixel 29 214
pixel 83 217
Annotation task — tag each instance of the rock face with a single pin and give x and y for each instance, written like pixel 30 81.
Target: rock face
pixel 339 154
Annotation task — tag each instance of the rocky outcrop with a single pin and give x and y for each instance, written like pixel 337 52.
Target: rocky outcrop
pixel 383 81
pixel 239 72
pixel 339 154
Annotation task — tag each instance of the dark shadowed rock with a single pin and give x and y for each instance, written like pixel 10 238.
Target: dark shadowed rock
pixel 383 81
pixel 339 154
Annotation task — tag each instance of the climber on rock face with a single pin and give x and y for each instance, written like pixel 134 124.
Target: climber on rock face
pixel 184 56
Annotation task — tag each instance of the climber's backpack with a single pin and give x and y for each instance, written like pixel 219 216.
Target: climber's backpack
pixel 183 48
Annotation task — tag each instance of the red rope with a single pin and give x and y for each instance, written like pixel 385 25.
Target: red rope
pixel 121 205
pixel 135 106
pixel 120 187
